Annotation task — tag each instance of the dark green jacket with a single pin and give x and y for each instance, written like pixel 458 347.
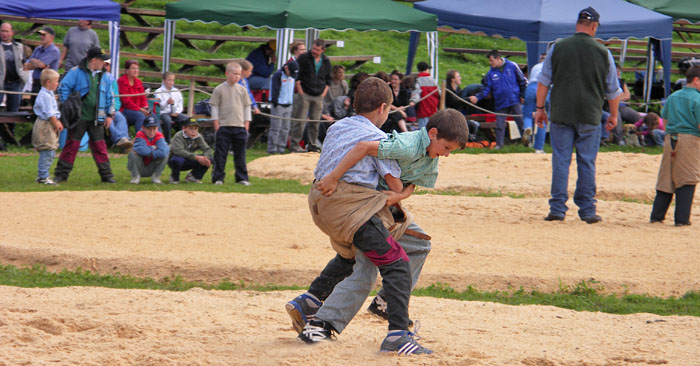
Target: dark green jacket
pixel 187 147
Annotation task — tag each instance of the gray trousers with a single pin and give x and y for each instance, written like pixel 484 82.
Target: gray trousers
pixel 349 295
pixel 308 106
pixel 279 129
pixel 138 168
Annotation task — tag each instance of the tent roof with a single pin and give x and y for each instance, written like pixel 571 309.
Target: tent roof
pixel 548 20
pixel 678 9
pixel 302 14
pixel 53 9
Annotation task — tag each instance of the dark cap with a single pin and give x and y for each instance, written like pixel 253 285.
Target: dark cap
pixel 96 52
pixel 48 30
pixel 589 14
pixel 150 121
pixel 422 66
pixel 293 68
pixel 191 122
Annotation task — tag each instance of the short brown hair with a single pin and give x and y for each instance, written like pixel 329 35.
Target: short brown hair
pixel 692 73
pixel 128 63
pixel 295 45
pixel 319 43
pixel 370 95
pixel 245 65
pixel 167 73
pixel 451 126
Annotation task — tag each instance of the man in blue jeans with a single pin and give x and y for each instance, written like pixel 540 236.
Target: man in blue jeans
pixel 582 74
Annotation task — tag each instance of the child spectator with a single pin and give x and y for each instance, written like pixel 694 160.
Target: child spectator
pixel 425 85
pixel 170 101
pixel 282 98
pixel 651 129
pixel 354 217
pixel 150 153
pixel 246 71
pixel 183 154
pixel 230 110
pixel 47 126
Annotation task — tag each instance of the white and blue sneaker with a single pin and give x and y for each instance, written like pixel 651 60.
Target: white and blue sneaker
pixel 403 342
pixel 316 331
pixel 302 309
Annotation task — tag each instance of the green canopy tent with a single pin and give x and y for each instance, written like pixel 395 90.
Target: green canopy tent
pixel 677 9
pixel 310 15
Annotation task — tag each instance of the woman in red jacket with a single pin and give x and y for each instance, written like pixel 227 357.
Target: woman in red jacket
pixel 135 108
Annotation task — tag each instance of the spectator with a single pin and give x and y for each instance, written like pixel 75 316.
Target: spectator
pixel 282 98
pixel 134 107
pixel 263 60
pixel 651 129
pixel 506 83
pixel 246 71
pixel 453 80
pixel 12 75
pixel 312 86
pixel 44 57
pixel 119 128
pixel 47 126
pixel 170 101
pixel 425 85
pixel 680 163
pixel 297 48
pixel 335 100
pixel 409 83
pixel 77 42
pixel 183 154
pixel 402 97
pixel 529 106
pixel 230 110
pixel 581 72
pixel 383 76
pixel 150 153
pixel 95 89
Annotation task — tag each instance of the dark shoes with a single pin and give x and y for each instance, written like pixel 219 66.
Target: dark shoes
pixel 108 180
pixel 682 223
pixel 592 219
pixel 316 331
pixel 553 217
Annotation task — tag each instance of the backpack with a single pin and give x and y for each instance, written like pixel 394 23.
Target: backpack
pixel 203 107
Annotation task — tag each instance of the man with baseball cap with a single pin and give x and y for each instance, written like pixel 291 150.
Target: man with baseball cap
pixel 581 73
pixel 94 86
pixel 263 60
pixel 45 56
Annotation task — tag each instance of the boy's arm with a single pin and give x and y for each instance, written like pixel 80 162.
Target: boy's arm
pixel 328 183
pixel 394 198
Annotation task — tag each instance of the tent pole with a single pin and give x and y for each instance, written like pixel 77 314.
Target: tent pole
pixel 412 47
pixel 168 36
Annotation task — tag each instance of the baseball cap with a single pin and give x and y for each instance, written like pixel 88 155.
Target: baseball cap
pixel 293 67
pixel 48 30
pixel 422 66
pixel 589 14
pixel 150 121
pixel 96 52
pixel 191 122
pixel 272 44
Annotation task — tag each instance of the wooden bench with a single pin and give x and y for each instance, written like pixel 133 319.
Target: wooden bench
pixel 475 51
pixel 359 60
pixel 138 14
pixel 150 60
pixel 15 117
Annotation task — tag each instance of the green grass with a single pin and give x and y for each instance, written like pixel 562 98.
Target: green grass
pixel 582 297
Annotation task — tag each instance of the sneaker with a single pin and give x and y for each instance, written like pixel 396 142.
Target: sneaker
pixel 156 180
pixel 403 342
pixel 316 331
pixel 313 148
pixel 173 181
pixel 553 217
pixel 378 308
pixel 109 180
pixel 539 151
pixel 219 182
pixel 190 178
pixel 60 179
pixel 46 181
pixel 125 144
pixel 243 183
pixel 135 180
pixel 302 309
pixel 592 220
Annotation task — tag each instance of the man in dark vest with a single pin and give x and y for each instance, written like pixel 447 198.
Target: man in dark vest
pixel 582 75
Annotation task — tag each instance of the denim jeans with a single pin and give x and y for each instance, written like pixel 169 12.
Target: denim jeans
pixel 45 161
pixel 168 121
pixel 422 122
pixel 118 129
pixel 13 101
pixel 134 118
pixel 258 82
pixel 586 139
pixel 349 295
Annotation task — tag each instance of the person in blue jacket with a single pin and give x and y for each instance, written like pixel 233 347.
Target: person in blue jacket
pixel 93 85
pixel 263 60
pixel 150 153
pixel 507 84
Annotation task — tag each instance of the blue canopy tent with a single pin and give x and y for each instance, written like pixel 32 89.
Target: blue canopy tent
pixel 99 10
pixel 539 22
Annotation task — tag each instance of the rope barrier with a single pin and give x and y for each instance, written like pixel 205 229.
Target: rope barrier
pixel 481 109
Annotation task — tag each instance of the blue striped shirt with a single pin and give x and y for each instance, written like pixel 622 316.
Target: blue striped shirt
pixel 45 105
pixel 341 137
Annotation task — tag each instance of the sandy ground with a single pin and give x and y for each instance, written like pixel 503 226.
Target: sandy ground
pixel 491 243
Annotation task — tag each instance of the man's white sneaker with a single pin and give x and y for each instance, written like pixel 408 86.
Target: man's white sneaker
pixel 135 180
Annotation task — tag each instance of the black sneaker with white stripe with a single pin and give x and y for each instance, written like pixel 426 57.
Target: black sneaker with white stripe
pixel 403 342
pixel 316 331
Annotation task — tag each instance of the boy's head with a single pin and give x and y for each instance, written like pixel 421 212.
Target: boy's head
pixel 246 68
pixel 191 128
pixel 49 79
pixel 651 120
pixel 448 131
pixel 423 66
pixel 168 79
pixel 150 127
pixel 373 96
pixel 233 72
pixel 338 72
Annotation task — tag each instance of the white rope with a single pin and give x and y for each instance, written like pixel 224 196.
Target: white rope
pixel 482 109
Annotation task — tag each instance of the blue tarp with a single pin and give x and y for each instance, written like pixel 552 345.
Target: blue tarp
pixel 538 22
pixel 54 9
